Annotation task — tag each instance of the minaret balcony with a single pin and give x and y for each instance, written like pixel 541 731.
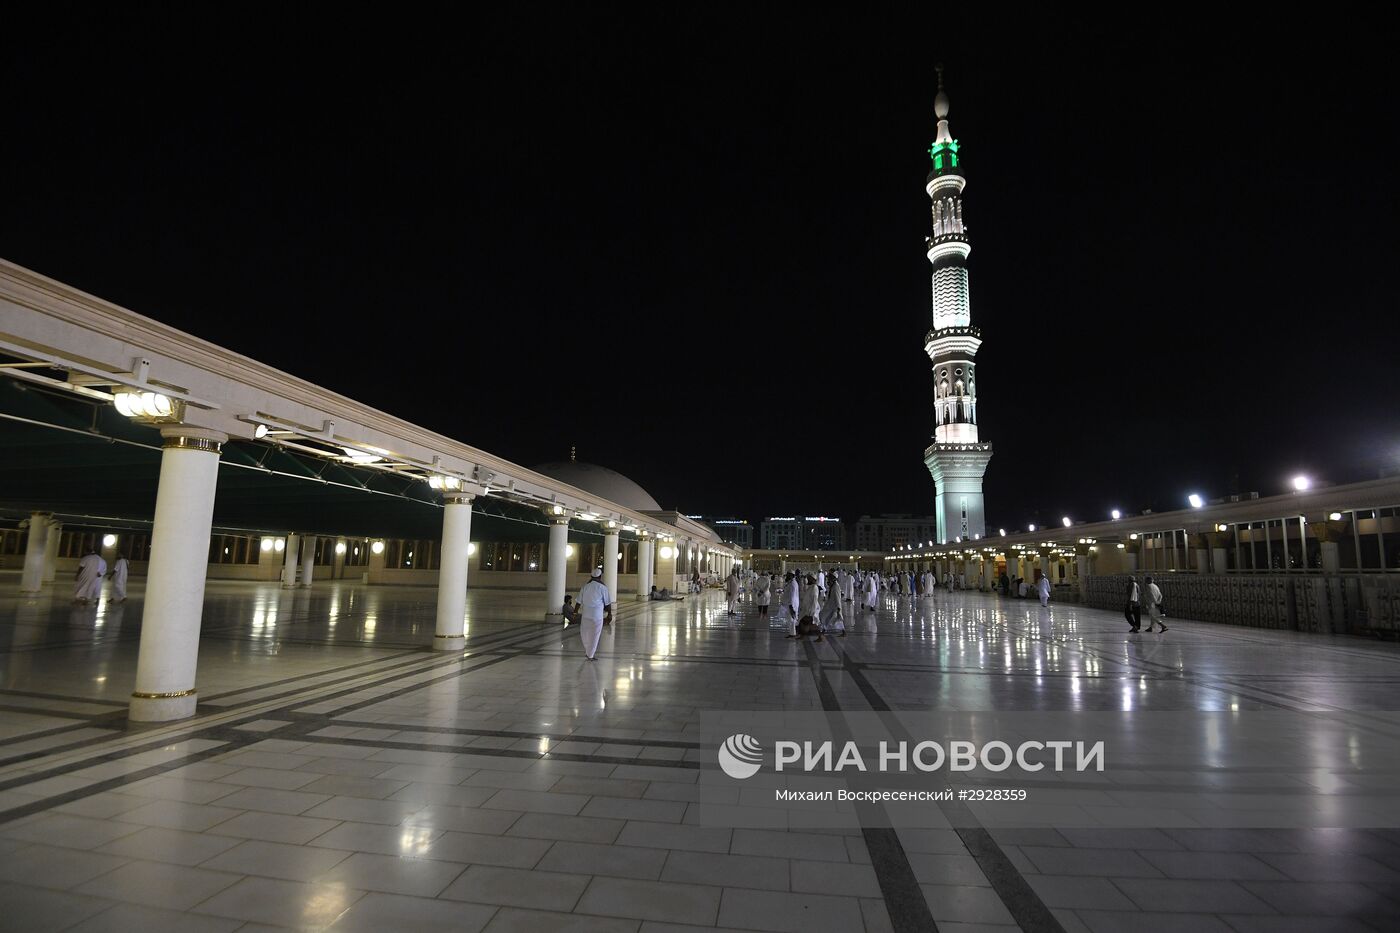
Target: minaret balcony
pixel 951 341
pixel 950 244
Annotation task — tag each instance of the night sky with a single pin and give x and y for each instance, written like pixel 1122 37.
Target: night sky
pixel 692 244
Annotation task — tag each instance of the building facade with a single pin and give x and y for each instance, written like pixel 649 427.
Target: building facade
pixel 778 533
pixel 957 458
pixel 885 532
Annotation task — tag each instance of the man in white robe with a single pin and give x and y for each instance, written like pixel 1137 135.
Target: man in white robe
pixel 88 579
pixel 832 618
pixel 872 591
pixel 807 602
pixel 119 572
pixel 731 590
pixel 595 607
pixel 762 591
pixel 1043 588
pixel 790 602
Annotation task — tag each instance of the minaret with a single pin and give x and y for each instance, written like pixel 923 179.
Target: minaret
pixel 956 458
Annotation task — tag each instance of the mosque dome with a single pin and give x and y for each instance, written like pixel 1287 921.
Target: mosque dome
pixel 601 481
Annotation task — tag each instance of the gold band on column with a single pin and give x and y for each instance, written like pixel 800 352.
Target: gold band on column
pixel 163 696
pixel 194 443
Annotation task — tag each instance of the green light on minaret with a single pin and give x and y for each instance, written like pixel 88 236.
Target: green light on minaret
pixel 936 151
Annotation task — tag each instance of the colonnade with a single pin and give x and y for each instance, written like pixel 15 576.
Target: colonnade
pixel 178 566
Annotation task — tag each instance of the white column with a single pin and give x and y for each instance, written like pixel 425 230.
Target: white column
pixel 289 561
pixel 452 573
pixel 1331 557
pixel 169 653
pixel 51 550
pixel 610 563
pixel 558 569
pixel 308 560
pixel 32 580
pixel 644 568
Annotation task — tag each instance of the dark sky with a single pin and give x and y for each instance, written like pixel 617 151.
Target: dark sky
pixel 692 244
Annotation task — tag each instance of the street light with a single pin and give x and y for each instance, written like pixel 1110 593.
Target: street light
pixel 1302 483
pixel 1066 521
pixel 1116 514
pixel 1031 527
pixel 1195 500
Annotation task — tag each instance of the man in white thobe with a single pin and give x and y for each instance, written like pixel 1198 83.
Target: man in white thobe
pixel 595 606
pixel 790 602
pixel 872 591
pixel 88 583
pixel 731 590
pixel 119 572
pixel 1043 588
pixel 832 618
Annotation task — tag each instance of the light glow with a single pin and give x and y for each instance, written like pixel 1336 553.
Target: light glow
pixel 279 545
pixel 377 547
pixel 1195 500
pixel 1066 521
pixel 109 540
pixel 1302 483
pixel 339 547
pixel 1116 514
pixel 266 544
pixel 667 553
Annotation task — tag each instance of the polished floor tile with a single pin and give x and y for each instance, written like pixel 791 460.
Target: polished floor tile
pixel 341 775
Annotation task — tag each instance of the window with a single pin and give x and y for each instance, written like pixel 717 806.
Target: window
pixel 13 541
pixel 233 549
pixel 410 554
pixel 325 551
pixel 77 543
pixel 357 552
pixel 590 555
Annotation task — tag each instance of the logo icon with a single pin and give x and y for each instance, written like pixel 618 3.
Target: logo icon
pixel 741 756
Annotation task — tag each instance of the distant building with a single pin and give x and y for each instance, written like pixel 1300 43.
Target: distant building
pixel 736 531
pixel 883 532
pixel 777 533
pixel 820 533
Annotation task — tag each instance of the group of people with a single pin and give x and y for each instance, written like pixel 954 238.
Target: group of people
pixel 88 580
pixel 1149 595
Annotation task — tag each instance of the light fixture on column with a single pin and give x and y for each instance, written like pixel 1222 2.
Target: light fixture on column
pixel 1335 516
pixel 148 407
pixel 109 540
pixel 1302 483
pixel 1195 500
pixel 340 547
pixel 377 547
pixel 1066 521
pixel 279 545
pixel 667 553
pixel 1003 532
pixel 471 548
pixel 445 483
pixel 1031 527
pixel 569 550
pixel 266 545
pixel 1115 515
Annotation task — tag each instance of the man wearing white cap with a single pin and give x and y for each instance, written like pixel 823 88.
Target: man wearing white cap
pixel 595 607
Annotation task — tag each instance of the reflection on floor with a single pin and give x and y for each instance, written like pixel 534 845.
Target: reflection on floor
pixel 340 774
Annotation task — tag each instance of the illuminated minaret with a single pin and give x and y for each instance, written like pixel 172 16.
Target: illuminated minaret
pixel 956 459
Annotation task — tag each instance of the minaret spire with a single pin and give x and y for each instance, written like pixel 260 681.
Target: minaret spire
pixel 957 459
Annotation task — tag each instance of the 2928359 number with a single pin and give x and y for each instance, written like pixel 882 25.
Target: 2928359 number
pixel 989 794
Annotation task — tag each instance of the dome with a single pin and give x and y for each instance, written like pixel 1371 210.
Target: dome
pixel 601 481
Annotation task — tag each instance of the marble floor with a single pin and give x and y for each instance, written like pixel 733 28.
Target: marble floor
pixel 342 775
